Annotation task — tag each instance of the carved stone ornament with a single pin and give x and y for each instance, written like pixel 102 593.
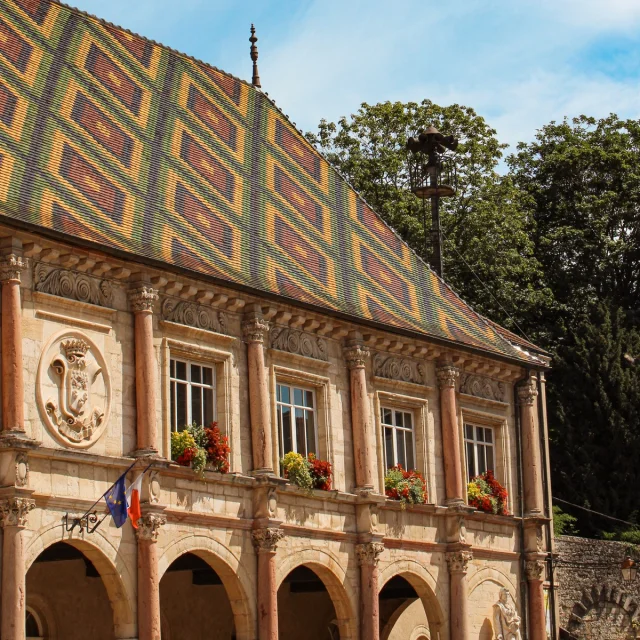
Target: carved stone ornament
pixel 195 315
pixel 149 526
pixel 254 329
pixel 142 298
pixel 527 392
pixel 266 540
pixel 356 355
pixel 22 470
pixel 534 569
pixel 447 376
pixel 482 387
pixel 73 285
pixel 403 369
pixel 458 561
pixel 369 553
pixel 11 267
pixel 73 389
pixel 14 511
pixel 299 342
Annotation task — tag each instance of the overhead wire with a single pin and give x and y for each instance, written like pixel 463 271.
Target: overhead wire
pixel 597 513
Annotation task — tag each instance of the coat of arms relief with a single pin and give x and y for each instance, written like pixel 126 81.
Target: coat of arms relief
pixel 74 391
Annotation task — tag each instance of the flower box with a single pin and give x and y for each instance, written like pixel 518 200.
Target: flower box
pixel 201 448
pixel 485 493
pixel 308 473
pixel 408 487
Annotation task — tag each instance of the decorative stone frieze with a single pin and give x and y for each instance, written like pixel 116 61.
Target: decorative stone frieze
pixel 447 376
pixel 255 329
pixel 299 343
pixel 482 387
pixel 402 369
pixel 73 389
pixel 70 284
pixel 356 355
pixel 195 315
pixel 527 392
pixel 142 298
pixel 458 561
pixel 266 540
pixel 14 511
pixel 22 470
pixel 369 553
pixel 11 267
pixel 534 569
pixel 149 526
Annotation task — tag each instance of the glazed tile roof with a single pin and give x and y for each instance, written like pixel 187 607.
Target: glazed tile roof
pixel 114 140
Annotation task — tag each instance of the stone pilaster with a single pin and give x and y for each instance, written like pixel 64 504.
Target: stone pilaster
pixel 356 356
pixel 368 555
pixel 457 562
pixel 534 571
pixel 141 300
pixel 265 542
pixel 531 458
pixel 148 578
pixel 14 512
pixel 255 329
pixel 447 376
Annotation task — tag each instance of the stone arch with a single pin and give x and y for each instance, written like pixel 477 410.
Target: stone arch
pixel 424 585
pixel 334 577
pixel 599 597
pixel 420 633
pixel 45 615
pixel 113 569
pixel 232 573
pixel 494 575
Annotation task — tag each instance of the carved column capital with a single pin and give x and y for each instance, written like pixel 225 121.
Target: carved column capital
pixel 356 355
pixel 447 376
pixel 11 266
pixel 149 526
pixel 368 553
pixel 534 569
pixel 527 392
pixel 255 329
pixel 142 298
pixel 458 561
pixel 266 540
pixel 15 510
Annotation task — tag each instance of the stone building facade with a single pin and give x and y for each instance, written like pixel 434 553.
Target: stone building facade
pixel 165 227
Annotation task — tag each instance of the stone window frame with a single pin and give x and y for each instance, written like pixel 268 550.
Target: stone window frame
pixel 395 427
pixel 221 361
pixel 317 383
pixel 419 407
pixel 500 428
pixel 188 383
pixel 314 446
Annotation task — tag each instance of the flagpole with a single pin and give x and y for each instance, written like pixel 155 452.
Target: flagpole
pixel 102 496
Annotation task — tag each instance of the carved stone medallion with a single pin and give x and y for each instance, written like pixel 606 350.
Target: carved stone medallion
pixel 482 387
pixel 298 342
pixel 394 368
pixel 195 315
pixel 73 389
pixel 73 285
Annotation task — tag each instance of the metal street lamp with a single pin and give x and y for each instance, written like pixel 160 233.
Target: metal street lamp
pixel 432 176
pixel 629 569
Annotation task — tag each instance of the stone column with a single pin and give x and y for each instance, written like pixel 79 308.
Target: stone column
pixel 368 555
pixel 458 611
pixel 356 355
pixel 255 329
pixel 142 299
pixel 265 542
pixel 11 267
pixel 14 512
pixel 534 569
pixel 148 579
pixel 454 485
pixel 531 459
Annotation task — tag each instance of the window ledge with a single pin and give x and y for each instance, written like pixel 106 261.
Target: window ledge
pixel 196 332
pixel 403 384
pixel 286 356
pixel 335 495
pixel 465 397
pixel 233 477
pixel 428 508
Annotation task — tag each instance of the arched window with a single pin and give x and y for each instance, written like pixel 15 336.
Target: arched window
pixel 33 626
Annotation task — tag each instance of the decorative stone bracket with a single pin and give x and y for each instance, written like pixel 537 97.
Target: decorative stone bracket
pixel 195 315
pixel 356 355
pixel 15 510
pixel 149 526
pixel 402 369
pixel 369 553
pixel 447 376
pixel 11 266
pixel 482 387
pixel 142 298
pixel 266 540
pixel 73 285
pixel 299 343
pixel 458 561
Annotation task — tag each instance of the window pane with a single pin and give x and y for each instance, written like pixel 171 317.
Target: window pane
pixel 300 432
pixel 399 420
pixel 196 373
pixel 408 422
pixel 196 405
pixel 287 440
pixel 297 397
pixel 174 427
pixel 311 432
pixel 181 405
pixel 285 393
pixel 386 416
pixel 411 464
pixel 207 373
pixel 479 434
pixel 388 447
pixel 208 407
pixel 172 368
pixel 400 448
pixel 490 464
pixel 471 465
pixel 278 392
pixel 308 399
pixel 488 435
pixel 468 430
pixel 181 370
pixel 482 462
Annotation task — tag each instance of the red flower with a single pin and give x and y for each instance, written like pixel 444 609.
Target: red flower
pixel 217 448
pixel 186 456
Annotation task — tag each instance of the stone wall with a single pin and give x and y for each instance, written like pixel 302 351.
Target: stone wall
pixel 595 603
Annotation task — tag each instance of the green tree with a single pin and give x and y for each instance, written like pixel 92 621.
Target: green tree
pixel 485 224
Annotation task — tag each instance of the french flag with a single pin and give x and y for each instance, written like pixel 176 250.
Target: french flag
pixel 133 500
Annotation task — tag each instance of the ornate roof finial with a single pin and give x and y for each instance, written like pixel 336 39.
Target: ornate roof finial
pixel 255 81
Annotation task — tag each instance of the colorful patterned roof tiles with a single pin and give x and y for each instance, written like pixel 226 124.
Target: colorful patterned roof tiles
pixel 114 140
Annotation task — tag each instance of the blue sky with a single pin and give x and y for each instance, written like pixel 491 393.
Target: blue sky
pixel 518 63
